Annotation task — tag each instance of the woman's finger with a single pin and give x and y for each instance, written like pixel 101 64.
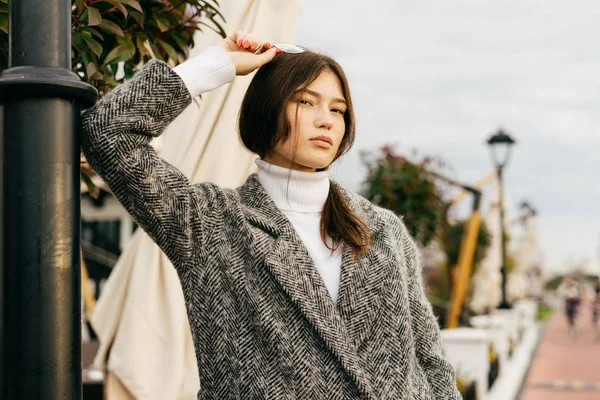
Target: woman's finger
pixel 267 55
pixel 235 37
pixel 255 45
pixel 265 46
pixel 244 42
pixel 239 40
pixel 249 41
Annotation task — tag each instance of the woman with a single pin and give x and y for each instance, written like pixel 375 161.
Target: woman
pixel 572 291
pixel 296 288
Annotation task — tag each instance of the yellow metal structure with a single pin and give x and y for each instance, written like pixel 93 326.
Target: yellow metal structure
pixel 478 185
pixel 466 254
pixel 467 245
pixel 89 302
pixel 464 267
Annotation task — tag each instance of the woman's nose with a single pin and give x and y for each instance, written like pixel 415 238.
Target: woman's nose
pixel 324 119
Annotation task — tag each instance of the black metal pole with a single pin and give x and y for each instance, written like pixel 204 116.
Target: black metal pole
pixel 41 100
pixel 504 304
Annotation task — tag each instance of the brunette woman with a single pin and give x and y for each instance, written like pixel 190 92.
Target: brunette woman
pixel 296 288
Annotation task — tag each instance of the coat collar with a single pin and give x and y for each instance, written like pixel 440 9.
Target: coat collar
pixel 263 211
pixel 342 325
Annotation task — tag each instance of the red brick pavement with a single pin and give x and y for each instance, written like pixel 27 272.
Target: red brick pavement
pixel 565 368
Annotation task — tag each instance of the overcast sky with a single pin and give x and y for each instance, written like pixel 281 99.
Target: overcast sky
pixel 442 76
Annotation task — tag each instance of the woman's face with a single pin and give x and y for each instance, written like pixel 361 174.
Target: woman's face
pixel 317 125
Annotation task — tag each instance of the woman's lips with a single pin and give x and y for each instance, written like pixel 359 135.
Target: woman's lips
pixel 321 143
pixel 324 142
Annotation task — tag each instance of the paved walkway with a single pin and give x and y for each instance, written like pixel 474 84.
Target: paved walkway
pixel 565 368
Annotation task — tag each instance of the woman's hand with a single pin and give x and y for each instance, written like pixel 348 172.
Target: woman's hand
pixel 247 52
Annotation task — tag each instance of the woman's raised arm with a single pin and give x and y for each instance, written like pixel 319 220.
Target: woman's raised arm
pixel 117 131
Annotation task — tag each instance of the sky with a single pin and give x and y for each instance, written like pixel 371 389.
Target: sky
pixel 441 77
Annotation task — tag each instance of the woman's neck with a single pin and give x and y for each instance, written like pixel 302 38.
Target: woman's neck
pixel 280 161
pixel 293 190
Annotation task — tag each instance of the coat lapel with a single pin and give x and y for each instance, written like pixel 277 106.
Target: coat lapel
pixel 291 265
pixel 363 281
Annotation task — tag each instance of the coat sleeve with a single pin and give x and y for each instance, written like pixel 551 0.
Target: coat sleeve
pixel 440 373
pixel 116 135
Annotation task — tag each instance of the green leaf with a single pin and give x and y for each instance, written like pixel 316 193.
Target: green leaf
pixel 94 17
pixel 4 8
pixel 215 9
pixel 86 57
pixel 98 76
pixel 4 23
pixel 117 5
pixel 78 43
pixel 125 40
pixel 110 81
pixel 129 72
pixel 133 4
pixel 93 31
pixel 90 64
pixel 218 28
pixel 162 24
pixel 123 52
pixel 171 52
pixel 111 27
pixel 155 51
pixel 92 43
pixel 94 190
pixel 139 42
pixel 115 55
pixel 183 45
pixel 138 17
pixel 90 69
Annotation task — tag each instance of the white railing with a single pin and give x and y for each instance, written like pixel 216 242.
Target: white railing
pixel 513 335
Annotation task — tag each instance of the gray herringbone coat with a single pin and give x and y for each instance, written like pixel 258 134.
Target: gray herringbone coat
pixel 263 323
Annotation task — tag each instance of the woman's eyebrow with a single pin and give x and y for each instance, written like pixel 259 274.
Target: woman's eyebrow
pixel 317 94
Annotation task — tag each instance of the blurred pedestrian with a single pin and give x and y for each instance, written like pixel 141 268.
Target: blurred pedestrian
pixel 596 310
pixel 572 292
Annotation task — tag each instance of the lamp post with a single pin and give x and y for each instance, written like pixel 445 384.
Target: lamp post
pixel 40 284
pixel 530 210
pixel 500 148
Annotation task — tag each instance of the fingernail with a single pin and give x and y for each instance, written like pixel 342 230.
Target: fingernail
pixel 246 43
pixel 277 52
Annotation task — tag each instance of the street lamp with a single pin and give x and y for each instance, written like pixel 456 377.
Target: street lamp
pixel 40 279
pixel 529 210
pixel 500 148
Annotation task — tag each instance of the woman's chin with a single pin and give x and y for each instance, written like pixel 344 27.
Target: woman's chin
pixel 316 164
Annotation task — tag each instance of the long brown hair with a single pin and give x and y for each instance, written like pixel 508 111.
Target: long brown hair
pixel 263 123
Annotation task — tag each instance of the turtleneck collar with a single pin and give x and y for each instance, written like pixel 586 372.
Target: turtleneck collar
pixel 294 190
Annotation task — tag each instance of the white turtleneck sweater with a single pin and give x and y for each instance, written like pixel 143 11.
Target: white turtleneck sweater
pixel 299 195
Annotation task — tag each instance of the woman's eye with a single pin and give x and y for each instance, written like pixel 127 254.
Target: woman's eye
pixel 337 110
pixel 303 101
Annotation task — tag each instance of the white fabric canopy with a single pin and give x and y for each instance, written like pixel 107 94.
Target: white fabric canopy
pixel 141 310
pixel 519 284
pixel 487 280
